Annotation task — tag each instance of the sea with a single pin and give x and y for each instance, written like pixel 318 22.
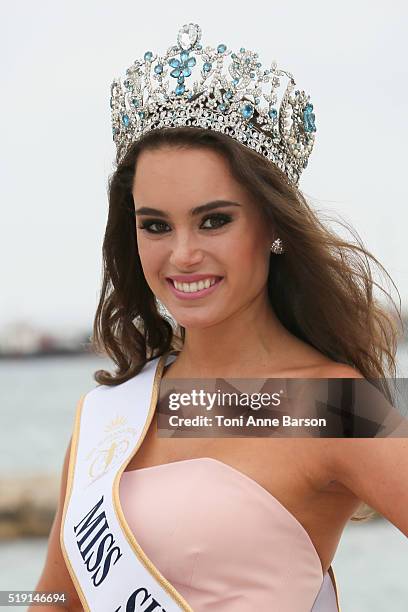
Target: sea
pixel 38 400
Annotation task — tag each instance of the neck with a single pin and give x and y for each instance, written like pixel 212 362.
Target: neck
pixel 249 342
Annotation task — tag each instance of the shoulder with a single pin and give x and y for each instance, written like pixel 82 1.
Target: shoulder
pixel 332 369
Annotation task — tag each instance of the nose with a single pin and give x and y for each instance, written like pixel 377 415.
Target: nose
pixel 186 252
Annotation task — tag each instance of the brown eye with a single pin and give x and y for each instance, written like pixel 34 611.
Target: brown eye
pixel 220 220
pixel 148 226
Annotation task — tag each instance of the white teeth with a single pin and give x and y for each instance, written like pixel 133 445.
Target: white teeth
pixel 196 286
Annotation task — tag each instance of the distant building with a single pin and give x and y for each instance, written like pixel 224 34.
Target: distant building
pixel 20 338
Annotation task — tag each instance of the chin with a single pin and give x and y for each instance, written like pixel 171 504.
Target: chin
pixel 195 321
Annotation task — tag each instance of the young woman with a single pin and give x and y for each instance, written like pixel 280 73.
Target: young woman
pixel 230 524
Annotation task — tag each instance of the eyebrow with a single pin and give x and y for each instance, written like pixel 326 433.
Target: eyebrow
pixel 145 210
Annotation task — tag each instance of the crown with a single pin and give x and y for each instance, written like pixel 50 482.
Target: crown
pixel 231 94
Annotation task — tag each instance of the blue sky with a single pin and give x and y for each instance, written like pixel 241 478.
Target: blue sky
pixel 58 60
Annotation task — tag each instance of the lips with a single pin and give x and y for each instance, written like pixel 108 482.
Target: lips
pixel 191 278
pixel 184 295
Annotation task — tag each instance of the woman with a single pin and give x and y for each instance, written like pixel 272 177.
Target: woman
pixel 228 523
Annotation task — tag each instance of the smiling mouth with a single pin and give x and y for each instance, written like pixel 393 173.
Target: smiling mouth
pixel 194 289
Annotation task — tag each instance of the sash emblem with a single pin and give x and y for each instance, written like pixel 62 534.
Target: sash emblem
pixel 109 451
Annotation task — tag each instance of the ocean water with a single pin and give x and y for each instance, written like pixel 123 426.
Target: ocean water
pixel 38 400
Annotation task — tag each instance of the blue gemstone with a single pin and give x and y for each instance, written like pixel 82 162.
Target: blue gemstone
pixel 128 84
pixel 207 66
pixel 247 111
pixel 180 89
pixel 158 69
pixel 252 75
pixel 191 62
pixel 180 79
pixel 309 119
pixel 135 102
pixel 184 56
pixel 222 107
pixel 257 100
pixel 228 94
pixel 174 63
pixel 186 72
pixel 125 120
pixel 235 81
pixel 141 114
pixel 175 73
pixel 273 113
pixel 113 130
pixel 221 48
pixel 199 47
pixel 148 56
pixel 242 50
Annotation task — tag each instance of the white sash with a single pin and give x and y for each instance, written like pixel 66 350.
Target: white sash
pixel 110 571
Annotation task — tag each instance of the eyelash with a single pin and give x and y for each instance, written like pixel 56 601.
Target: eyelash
pixel 146 225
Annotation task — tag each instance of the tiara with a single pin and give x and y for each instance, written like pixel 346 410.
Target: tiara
pixel 231 94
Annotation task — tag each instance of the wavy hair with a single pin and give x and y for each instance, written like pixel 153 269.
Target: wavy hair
pixel 321 289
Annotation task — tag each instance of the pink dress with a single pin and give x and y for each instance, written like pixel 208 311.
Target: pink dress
pixel 222 540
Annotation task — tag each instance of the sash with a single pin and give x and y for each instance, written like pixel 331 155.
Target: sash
pixel 109 569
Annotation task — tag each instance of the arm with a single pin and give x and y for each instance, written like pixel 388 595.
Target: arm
pixel 55 576
pixel 376 471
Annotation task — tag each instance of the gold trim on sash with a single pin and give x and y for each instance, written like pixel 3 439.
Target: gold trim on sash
pixel 330 571
pixel 70 478
pixel 116 500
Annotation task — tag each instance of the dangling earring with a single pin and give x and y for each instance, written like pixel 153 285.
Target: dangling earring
pixel 277 247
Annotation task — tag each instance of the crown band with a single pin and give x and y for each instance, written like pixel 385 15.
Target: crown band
pixel 227 97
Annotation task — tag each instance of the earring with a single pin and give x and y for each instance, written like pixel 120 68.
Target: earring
pixel 277 247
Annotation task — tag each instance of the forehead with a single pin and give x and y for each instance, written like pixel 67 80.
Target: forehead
pixel 176 175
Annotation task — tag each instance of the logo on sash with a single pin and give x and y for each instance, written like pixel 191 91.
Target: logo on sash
pixel 111 450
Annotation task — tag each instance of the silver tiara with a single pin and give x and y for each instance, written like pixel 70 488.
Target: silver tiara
pixel 231 94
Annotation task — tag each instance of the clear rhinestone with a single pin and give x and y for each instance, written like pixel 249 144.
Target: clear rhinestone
pixel 188 36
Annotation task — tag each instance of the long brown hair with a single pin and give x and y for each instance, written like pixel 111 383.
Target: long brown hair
pixel 321 289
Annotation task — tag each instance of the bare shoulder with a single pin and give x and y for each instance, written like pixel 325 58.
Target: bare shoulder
pixel 332 369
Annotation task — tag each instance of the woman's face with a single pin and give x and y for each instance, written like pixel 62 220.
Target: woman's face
pixel 228 244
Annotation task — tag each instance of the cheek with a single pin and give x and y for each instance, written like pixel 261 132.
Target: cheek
pixel 151 257
pixel 248 254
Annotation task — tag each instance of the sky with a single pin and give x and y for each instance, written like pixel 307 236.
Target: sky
pixel 58 60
